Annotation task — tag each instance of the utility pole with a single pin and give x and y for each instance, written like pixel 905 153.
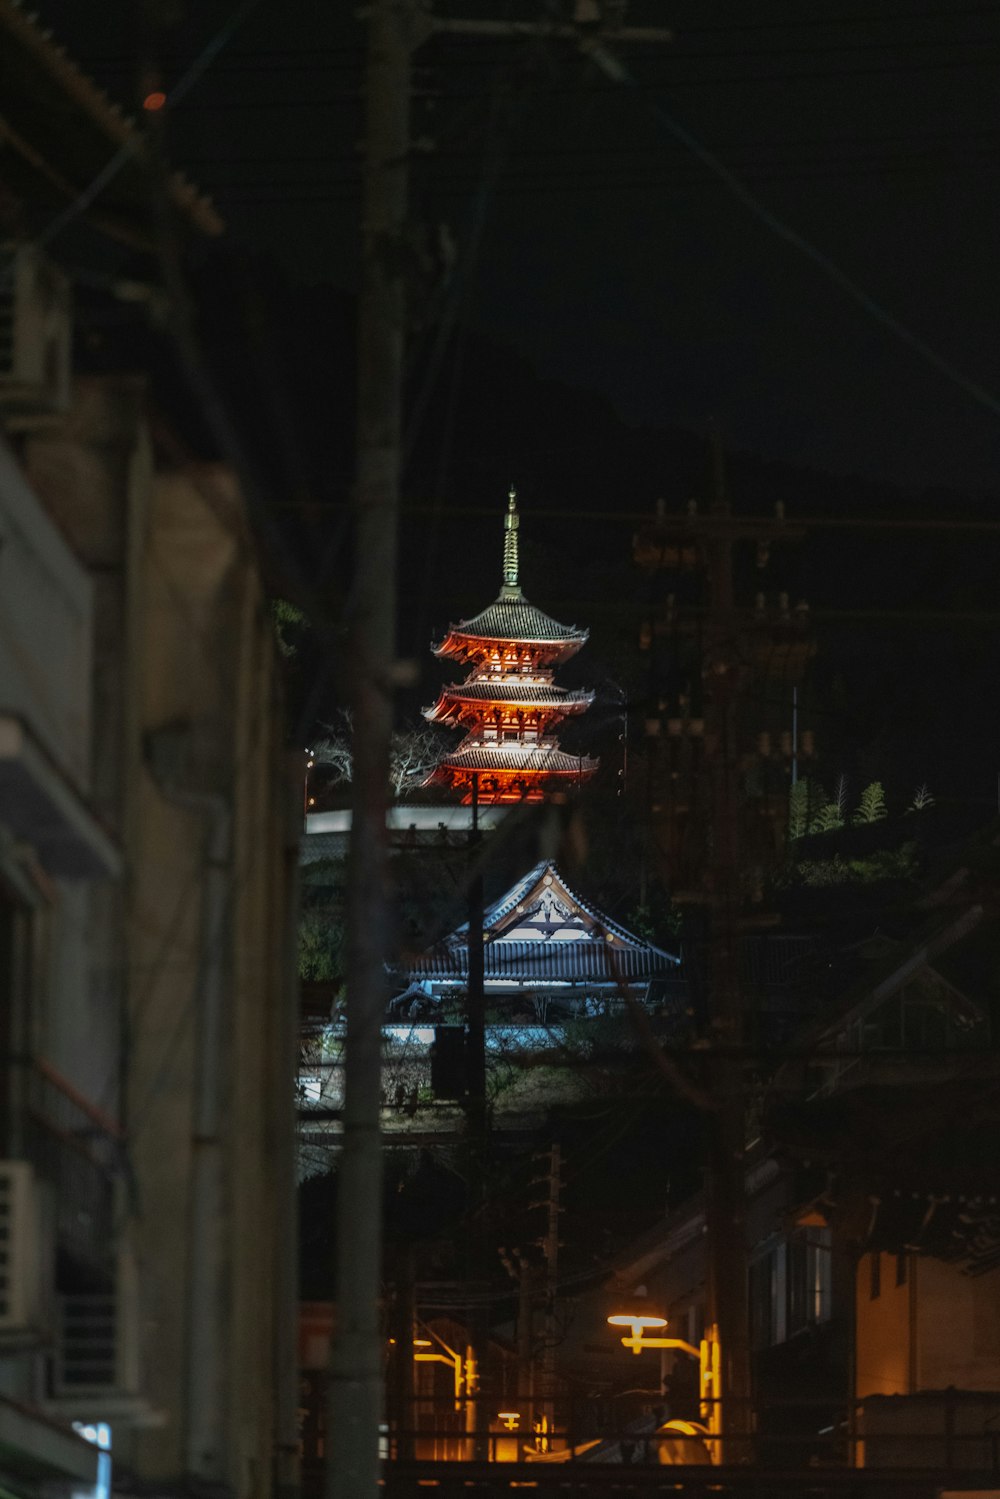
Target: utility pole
pixel 476 1138
pixel 550 1248
pixel 395 28
pixel 476 995
pixel 526 1339
pixel 725 1186
pixel 697 805
pixel 356 1362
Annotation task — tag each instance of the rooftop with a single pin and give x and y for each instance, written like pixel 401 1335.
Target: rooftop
pixel 516 756
pixel 512 620
pixel 541 933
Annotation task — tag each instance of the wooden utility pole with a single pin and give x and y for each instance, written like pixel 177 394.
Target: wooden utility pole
pixel 701 814
pixel 475 1062
pixel 550 1248
pixel 725 1185
pixel 356 1364
pixel 355 1401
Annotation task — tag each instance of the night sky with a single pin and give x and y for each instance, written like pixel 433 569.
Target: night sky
pixel 609 255
pixel 613 299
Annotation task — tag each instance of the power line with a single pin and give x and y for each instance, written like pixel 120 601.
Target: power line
pixel 616 70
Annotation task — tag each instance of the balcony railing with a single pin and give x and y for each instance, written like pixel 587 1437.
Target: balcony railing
pixel 78 1151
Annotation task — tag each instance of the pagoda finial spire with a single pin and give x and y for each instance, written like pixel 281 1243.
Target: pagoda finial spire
pixel 511 587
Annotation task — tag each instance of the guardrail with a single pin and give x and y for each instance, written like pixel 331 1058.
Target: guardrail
pixel 949 1434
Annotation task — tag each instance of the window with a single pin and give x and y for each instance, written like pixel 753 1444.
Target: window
pixel 790 1287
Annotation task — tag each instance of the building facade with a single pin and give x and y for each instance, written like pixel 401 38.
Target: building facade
pixel 147 878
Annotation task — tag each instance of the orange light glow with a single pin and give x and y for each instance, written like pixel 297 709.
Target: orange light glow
pixel 154 101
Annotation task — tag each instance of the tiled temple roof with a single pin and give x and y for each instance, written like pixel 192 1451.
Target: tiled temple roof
pixel 513 757
pixel 584 962
pixel 541 696
pixel 517 692
pixel 602 953
pixel 515 619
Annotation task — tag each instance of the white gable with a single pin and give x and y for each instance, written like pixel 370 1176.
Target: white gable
pixel 548 913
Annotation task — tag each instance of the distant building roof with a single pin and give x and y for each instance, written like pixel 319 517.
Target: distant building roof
pixel 543 695
pixel 519 757
pixel 540 933
pixel 513 619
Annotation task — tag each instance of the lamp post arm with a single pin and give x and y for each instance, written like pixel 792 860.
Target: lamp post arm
pixel 638 1344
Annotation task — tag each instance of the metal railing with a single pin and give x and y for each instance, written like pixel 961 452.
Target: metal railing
pixel 78 1151
pixel 902 1444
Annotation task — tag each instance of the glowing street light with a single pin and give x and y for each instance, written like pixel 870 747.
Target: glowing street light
pixel 455 1362
pixel 510 1419
pixel 638 1323
pixel 707 1355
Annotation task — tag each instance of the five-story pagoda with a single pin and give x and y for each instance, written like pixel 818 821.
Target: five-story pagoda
pixel 508 703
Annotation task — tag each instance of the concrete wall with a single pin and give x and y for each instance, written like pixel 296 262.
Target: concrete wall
pixel 938 1330
pixel 958 1328
pixel 884 1359
pixel 45 626
pixel 189 731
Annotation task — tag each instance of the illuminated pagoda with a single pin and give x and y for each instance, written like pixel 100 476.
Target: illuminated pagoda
pixel 508 704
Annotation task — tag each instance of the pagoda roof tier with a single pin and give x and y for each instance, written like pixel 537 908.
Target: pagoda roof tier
pixel 541 933
pixel 506 693
pixel 511 620
pixel 516 758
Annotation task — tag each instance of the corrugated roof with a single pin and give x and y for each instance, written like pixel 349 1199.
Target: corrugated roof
pixel 516 619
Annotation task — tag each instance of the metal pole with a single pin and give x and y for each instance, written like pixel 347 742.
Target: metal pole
pixel 355 1402
pixel 551 1250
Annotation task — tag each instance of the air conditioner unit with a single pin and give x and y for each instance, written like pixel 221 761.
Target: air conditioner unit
pixel 26 1254
pixel 95 1351
pixel 35 335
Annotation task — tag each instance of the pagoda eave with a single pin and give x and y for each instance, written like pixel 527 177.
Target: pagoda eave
pixel 453 702
pixel 513 787
pixel 459 647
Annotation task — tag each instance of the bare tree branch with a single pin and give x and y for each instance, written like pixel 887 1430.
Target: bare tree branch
pixel 412 754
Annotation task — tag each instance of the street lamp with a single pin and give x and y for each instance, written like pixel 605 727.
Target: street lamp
pixel 454 1360
pixel 707 1354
